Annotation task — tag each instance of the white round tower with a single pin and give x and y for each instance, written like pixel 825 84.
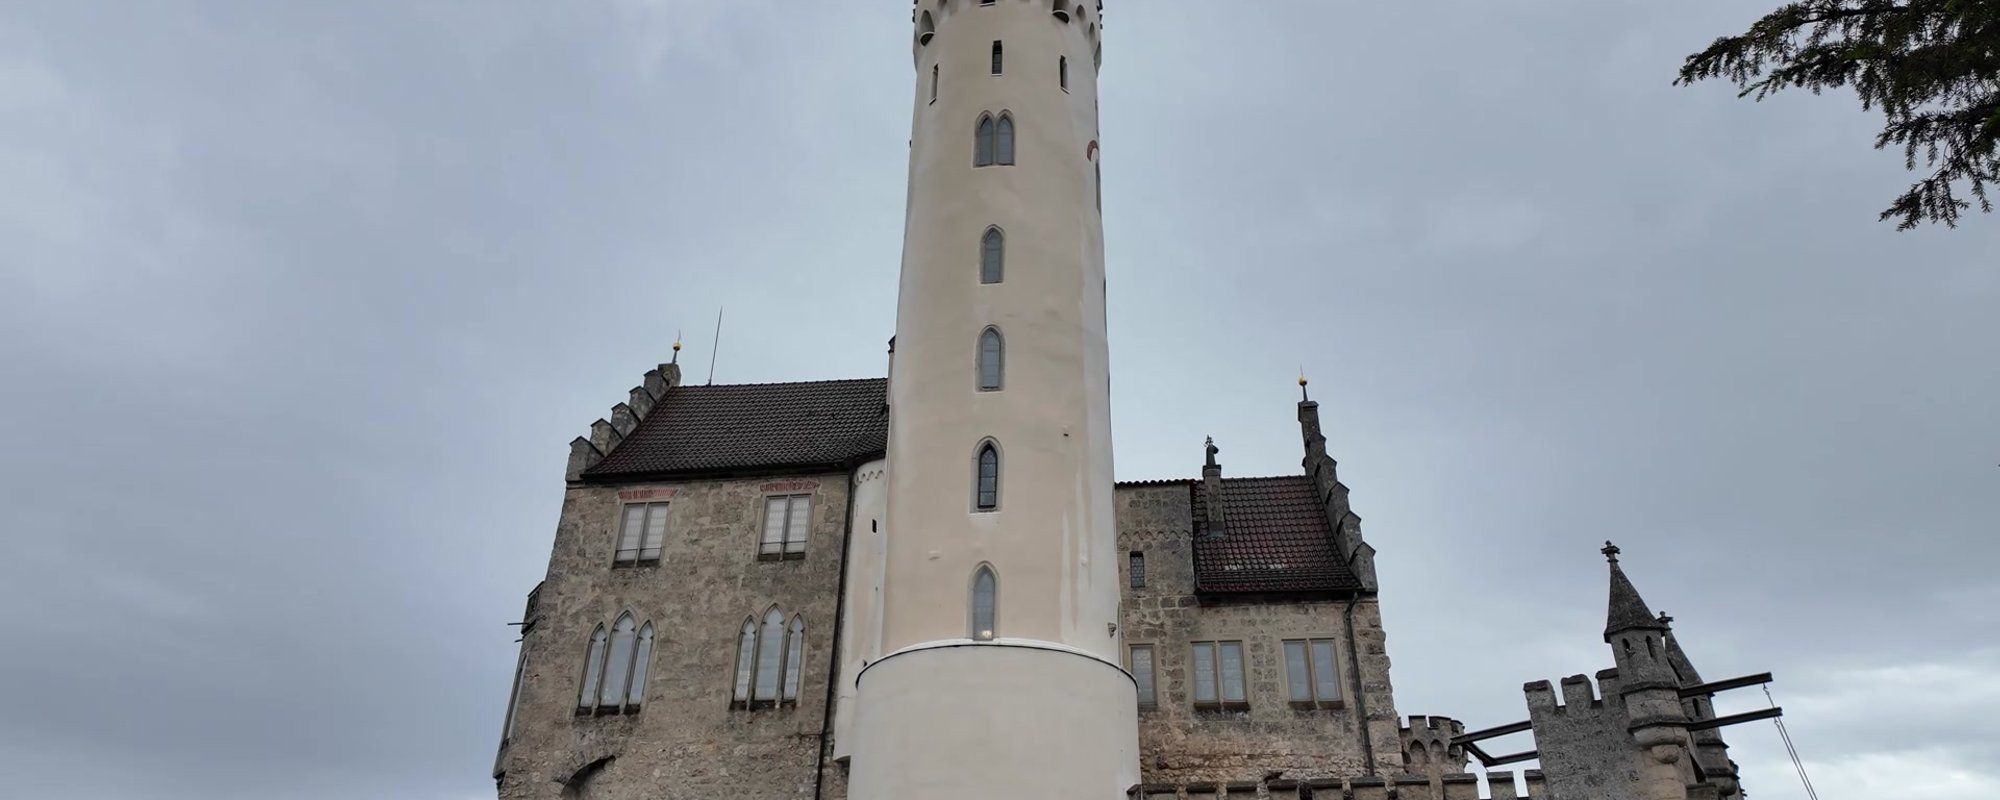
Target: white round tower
pixel 998 672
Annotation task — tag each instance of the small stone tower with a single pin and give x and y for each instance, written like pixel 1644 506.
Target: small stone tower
pixel 996 669
pixel 1648 687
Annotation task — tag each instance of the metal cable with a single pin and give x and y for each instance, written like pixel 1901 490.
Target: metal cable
pixel 1789 748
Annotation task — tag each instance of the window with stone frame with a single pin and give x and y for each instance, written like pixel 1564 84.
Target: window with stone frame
pixel 641 535
pixel 1142 665
pixel 1136 567
pixel 615 667
pixel 787 521
pixel 770 661
pixel 1219 679
pixel 1312 673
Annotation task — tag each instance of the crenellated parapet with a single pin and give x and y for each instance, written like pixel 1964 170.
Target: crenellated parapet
pixel 1451 786
pixel 932 17
pixel 1428 747
pixel 606 434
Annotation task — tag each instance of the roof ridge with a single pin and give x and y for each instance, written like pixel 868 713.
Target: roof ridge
pixel 780 383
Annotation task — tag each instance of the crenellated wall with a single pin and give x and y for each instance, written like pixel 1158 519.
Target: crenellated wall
pixel 1450 786
pixel 605 434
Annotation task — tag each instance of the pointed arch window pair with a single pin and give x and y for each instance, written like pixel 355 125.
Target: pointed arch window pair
pixel 615 667
pixel 994 141
pixel 770 657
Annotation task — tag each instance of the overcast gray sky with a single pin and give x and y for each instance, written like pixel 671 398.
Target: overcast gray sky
pixel 301 301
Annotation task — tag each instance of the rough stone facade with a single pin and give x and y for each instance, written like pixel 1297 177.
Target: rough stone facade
pixel 1628 743
pixel 1180 744
pixel 709 580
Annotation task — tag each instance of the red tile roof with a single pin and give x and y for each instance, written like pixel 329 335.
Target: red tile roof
pixel 1276 538
pixel 764 426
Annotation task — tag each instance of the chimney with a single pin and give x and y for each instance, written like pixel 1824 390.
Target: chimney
pixel 1211 479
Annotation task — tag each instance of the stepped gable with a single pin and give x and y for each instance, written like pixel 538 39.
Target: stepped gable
pixel 732 428
pixel 1277 539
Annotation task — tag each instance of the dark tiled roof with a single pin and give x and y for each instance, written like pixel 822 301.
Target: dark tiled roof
pixel 719 429
pixel 1276 538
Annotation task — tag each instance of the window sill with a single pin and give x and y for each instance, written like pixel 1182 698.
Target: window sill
pixel 649 562
pixel 1318 705
pixel 1222 708
pixel 610 711
pixel 781 556
pixel 763 705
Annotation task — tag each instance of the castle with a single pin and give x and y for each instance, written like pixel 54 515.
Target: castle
pixel 931 585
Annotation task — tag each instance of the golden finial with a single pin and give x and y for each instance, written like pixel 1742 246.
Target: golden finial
pixel 677 347
pixel 1303 392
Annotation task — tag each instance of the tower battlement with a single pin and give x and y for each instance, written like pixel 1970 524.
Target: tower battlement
pixel 932 18
pixel 1428 748
pixel 1580 697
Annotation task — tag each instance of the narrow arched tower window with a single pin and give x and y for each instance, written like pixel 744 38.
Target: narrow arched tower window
pixel 593 670
pixel 993 256
pixel 934 82
pixel 983 142
pixel 1062 71
pixel 1003 140
pixel 985 604
pixel 988 489
pixel 999 56
pixel 992 361
pixel 926 29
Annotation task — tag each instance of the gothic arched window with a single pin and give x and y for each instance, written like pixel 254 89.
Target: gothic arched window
pixel 642 659
pixel 618 665
pixel 999 56
pixel 1058 10
pixel 983 147
pixel 746 661
pixel 593 670
pixel 926 28
pixel 993 256
pixel 1062 71
pixel 985 604
pixel 987 490
pixel 770 655
pixel 795 657
pixel 934 82
pixel 770 660
pixel 992 360
pixel 1003 141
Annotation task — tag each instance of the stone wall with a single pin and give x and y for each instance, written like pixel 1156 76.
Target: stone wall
pixel 1180 744
pixel 687 738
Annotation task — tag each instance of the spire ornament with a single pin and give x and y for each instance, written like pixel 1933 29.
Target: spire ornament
pixel 1628 611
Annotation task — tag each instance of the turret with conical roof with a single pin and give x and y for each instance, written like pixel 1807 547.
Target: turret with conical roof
pixel 1648 686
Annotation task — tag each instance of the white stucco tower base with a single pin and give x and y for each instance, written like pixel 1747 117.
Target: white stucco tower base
pixel 997 467
pixel 1063 725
